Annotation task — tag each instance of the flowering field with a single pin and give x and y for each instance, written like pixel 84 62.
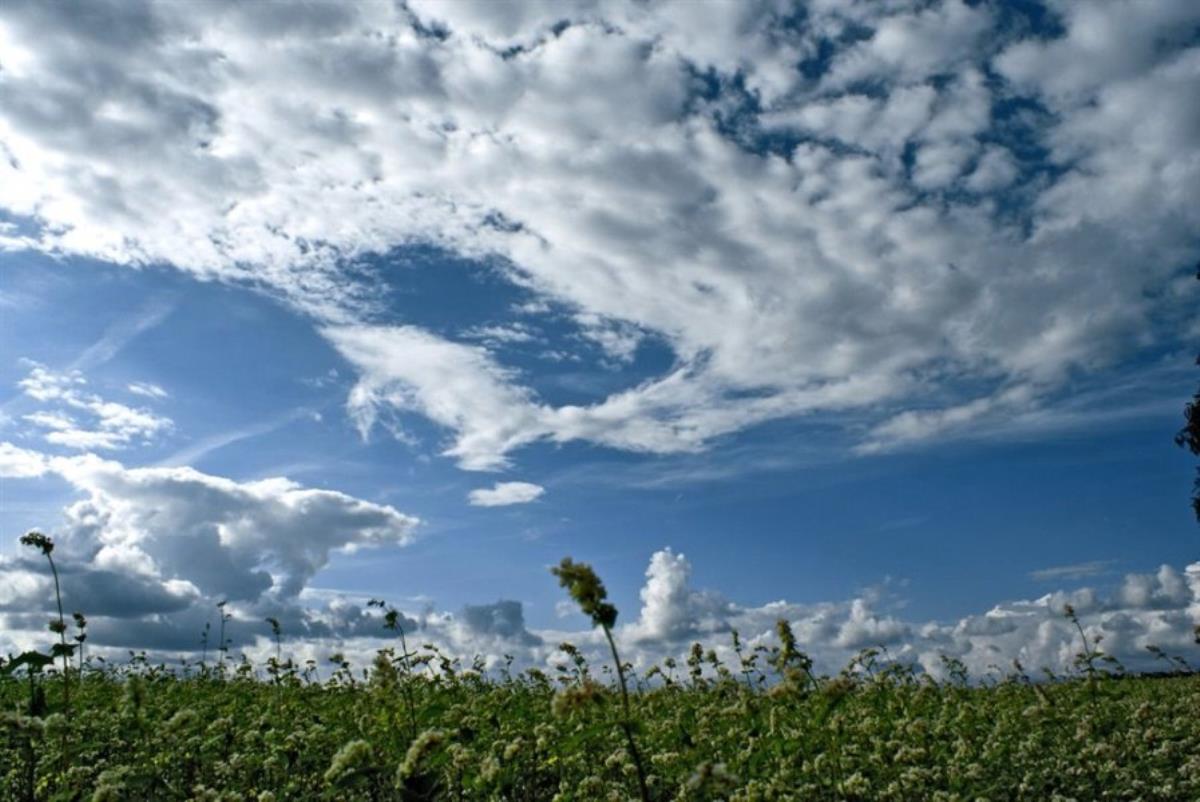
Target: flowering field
pixel 150 734
pixel 418 725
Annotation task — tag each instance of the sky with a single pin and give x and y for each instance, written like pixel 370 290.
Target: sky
pixel 877 317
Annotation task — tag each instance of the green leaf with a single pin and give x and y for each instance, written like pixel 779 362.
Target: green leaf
pixel 60 649
pixel 35 660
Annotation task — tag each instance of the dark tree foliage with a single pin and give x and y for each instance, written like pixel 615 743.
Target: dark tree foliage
pixel 1189 436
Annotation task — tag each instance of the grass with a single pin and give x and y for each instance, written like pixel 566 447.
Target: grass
pixel 416 725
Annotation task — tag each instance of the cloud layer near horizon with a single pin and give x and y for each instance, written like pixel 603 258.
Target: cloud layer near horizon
pixel 146 554
pixel 936 212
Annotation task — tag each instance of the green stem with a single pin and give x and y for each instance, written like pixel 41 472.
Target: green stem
pixel 62 635
pixel 408 692
pixel 627 720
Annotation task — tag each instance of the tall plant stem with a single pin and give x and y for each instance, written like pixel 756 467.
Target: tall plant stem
pixel 405 684
pixel 627 718
pixel 62 636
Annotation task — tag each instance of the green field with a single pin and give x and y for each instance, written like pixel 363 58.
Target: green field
pixel 142 733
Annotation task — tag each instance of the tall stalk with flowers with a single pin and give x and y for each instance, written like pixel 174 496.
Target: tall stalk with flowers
pixel 590 594
pixel 43 543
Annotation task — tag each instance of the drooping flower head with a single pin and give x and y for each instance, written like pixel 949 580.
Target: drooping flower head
pixel 587 590
pixel 38 540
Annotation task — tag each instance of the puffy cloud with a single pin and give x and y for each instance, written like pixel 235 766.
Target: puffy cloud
pixel 142 611
pixel 884 230
pixel 505 619
pixel 914 45
pixel 101 592
pixel 1157 609
pixel 671 610
pixel 503 494
pixel 994 170
pixel 149 544
pixel 863 628
pixel 1167 590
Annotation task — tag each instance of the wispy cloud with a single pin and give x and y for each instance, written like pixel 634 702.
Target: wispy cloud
pixel 1073 571
pixel 194 453
pixel 148 390
pixel 1142 391
pixel 496 335
pixel 122 332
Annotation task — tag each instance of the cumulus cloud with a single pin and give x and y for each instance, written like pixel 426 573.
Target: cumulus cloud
pixel 77 419
pixel 156 547
pixel 878 208
pixel 137 606
pixel 1159 609
pixel 503 494
pixel 671 609
pixel 504 620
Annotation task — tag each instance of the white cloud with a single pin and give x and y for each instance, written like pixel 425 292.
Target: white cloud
pixel 897 251
pixel 671 609
pixel 239 539
pixel 148 389
pixel 496 335
pixel 144 543
pixel 110 425
pixel 503 494
pixel 995 170
pixel 151 591
pixel 619 342
pixel 1158 609
pixel 919 425
pixel 912 46
pixel 20 463
pixel 863 628
pixel 458 386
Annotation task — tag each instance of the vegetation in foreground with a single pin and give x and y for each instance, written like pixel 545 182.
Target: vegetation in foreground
pixel 147 734
pixel 419 726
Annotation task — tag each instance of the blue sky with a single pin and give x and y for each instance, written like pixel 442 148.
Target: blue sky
pixel 882 317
